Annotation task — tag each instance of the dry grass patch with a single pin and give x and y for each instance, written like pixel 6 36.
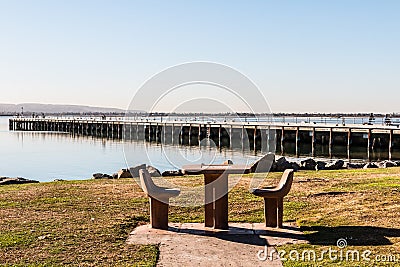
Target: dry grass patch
pixel 86 223
pixel 73 223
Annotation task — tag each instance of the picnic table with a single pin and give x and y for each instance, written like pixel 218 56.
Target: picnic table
pixel 216 190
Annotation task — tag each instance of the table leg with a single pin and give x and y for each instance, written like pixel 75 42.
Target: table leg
pixel 221 203
pixel 208 201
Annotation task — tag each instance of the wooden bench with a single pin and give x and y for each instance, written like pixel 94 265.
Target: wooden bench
pixel 273 199
pixel 159 200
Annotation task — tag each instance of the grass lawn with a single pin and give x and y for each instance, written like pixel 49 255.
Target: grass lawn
pixel 86 223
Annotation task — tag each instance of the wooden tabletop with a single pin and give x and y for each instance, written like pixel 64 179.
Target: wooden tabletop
pixel 215 169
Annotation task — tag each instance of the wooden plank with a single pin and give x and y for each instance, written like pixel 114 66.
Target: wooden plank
pixel 307 129
pixel 322 129
pixel 380 131
pixel 288 128
pixel 340 130
pixel 358 130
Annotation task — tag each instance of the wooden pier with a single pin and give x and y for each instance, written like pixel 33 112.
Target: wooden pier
pixel 261 136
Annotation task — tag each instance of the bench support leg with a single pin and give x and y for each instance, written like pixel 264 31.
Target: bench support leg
pixel 280 212
pixel 158 214
pixel 273 210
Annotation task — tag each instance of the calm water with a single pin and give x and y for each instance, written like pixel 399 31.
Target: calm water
pixel 48 156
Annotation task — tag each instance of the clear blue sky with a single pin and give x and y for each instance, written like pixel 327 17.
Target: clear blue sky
pixel 306 56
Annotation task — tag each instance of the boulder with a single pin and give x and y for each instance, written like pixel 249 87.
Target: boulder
pixel 387 164
pixel 308 164
pixel 135 170
pixel 101 176
pixel 320 165
pixel 282 164
pixel 115 176
pixel 370 165
pixel 295 166
pixel 17 180
pixel 336 165
pixel 154 172
pixel 124 173
pixel 97 175
pixel 172 173
pixel 58 180
pixel 355 165
pixel 106 176
pixel 265 164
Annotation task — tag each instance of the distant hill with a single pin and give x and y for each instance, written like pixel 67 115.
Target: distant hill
pixel 49 108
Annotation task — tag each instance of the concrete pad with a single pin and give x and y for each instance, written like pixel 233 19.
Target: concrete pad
pixel 192 244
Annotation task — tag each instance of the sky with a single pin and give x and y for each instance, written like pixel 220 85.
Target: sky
pixel 305 56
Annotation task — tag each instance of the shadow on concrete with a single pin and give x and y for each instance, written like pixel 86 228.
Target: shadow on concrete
pixel 315 235
pixel 354 235
pixel 258 237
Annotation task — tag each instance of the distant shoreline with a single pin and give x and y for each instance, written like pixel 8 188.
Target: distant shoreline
pixel 228 115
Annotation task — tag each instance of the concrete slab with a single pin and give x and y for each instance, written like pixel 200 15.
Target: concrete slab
pixel 192 244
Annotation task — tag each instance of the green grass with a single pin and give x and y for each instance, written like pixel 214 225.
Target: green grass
pixel 15 239
pixel 86 223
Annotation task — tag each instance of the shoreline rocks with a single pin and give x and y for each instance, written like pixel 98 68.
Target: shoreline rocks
pixel 132 172
pixel 336 165
pixel 172 173
pixel 282 163
pixel 16 180
pixel 278 165
pixel 101 176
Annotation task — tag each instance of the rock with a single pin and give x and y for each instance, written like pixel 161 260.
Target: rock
pixel 58 180
pixel 308 164
pixel 320 165
pixel 172 173
pixel 228 162
pixel 124 173
pixel 387 164
pixel 397 163
pixel 370 165
pixel 295 166
pixel 115 175
pixel 153 171
pixel 265 164
pixel 101 176
pixel 97 175
pixel 336 165
pixel 135 170
pixel 355 165
pixel 282 164
pixel 17 180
